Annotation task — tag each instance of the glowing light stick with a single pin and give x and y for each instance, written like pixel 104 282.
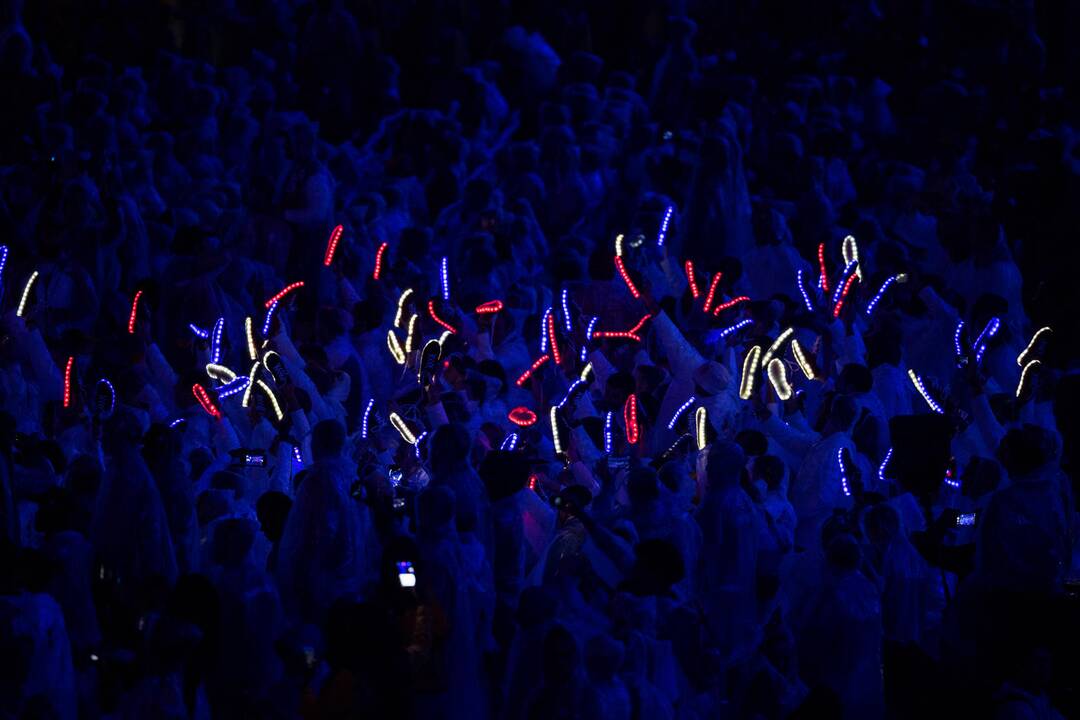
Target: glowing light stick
pixel 250 386
pixel 112 393
pixel 297 455
pixel 176 422
pixel 509 442
pixel 847 286
pixel 802 291
pixel 1034 338
pixel 3 259
pixel 918 383
pixel 215 341
pixel 800 357
pixel 490 307
pixel 543 330
pixel 555 430
pixel 395 348
pixel 735 328
pixel 444 275
pixel 621 267
pixel 522 417
pixel 682 408
pixel 701 416
pixel 823 277
pixel 366 417
pixel 690 278
pixel 850 249
pixel 199 332
pixel 26 293
pixel 843 473
pixel 567 321
pixel 607 432
pixel 379 254
pixel 664 226
pixel 402 428
pixel 776 346
pixel 630 334
pixel 419 440
pixel 631 420
pixel 232 388
pixel 283 292
pixel 712 290
pixel 777 372
pixel 749 369
pixel 273 399
pixel 883 465
pixel 67 381
pixel 555 354
pixel 730 303
pixel 1024 374
pixel 220 373
pixel 431 311
pixel 592 326
pixel 331 244
pixel 992 326
pixel 881 291
pixel 134 312
pixel 204 399
pixel 409 337
pixel 570 392
pixel 619 245
pixel 528 373
pixel 956 338
pixel 249 333
pixel 401 307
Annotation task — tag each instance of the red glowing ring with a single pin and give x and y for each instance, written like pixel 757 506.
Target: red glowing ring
pixel 522 417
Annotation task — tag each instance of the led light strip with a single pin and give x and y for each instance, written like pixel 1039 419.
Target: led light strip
pixel 841 290
pixel 701 416
pixel 777 372
pixel 510 442
pixel 331 244
pixel 956 338
pixel 692 279
pixel 850 250
pixel 297 455
pixel 881 291
pixel 402 428
pixel 802 291
pixel 621 267
pixel 431 311
pixel 379 255
pixel 215 340
pixel 543 330
pixel 522 417
pixel 567 321
pixel 112 393
pixel 735 328
pixel 246 401
pixel 988 332
pixel 490 307
pixel 273 399
pixel 419 439
pixel 800 357
pixel 26 293
pixel 3 260
pixel 630 334
pixel 664 226
pixel 585 372
pixel 411 335
pixel 283 292
pixel 608 437
pixel 776 346
pixel 401 306
pixel 444 276
pixel 268 319
pixel 249 333
pixel 630 418
pixel 843 473
pixel 232 388
pixel 730 303
pixel 682 408
pixel 619 245
pixel 366 417
pixel 823 277
pixel 528 373
pixel 220 373
pixel 134 312
pixel 883 465
pixel 713 284
pixel 554 415
pixel 1034 338
pixel 1023 376
pixel 67 381
pixel 749 369
pixel 204 399
pixel 394 345
pixel 570 392
pixel 918 383
pixel 555 354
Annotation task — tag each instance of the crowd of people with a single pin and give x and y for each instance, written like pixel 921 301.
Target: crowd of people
pixel 647 360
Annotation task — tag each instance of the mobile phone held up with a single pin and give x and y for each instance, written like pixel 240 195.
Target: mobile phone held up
pixel 406 574
pixel 965 519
